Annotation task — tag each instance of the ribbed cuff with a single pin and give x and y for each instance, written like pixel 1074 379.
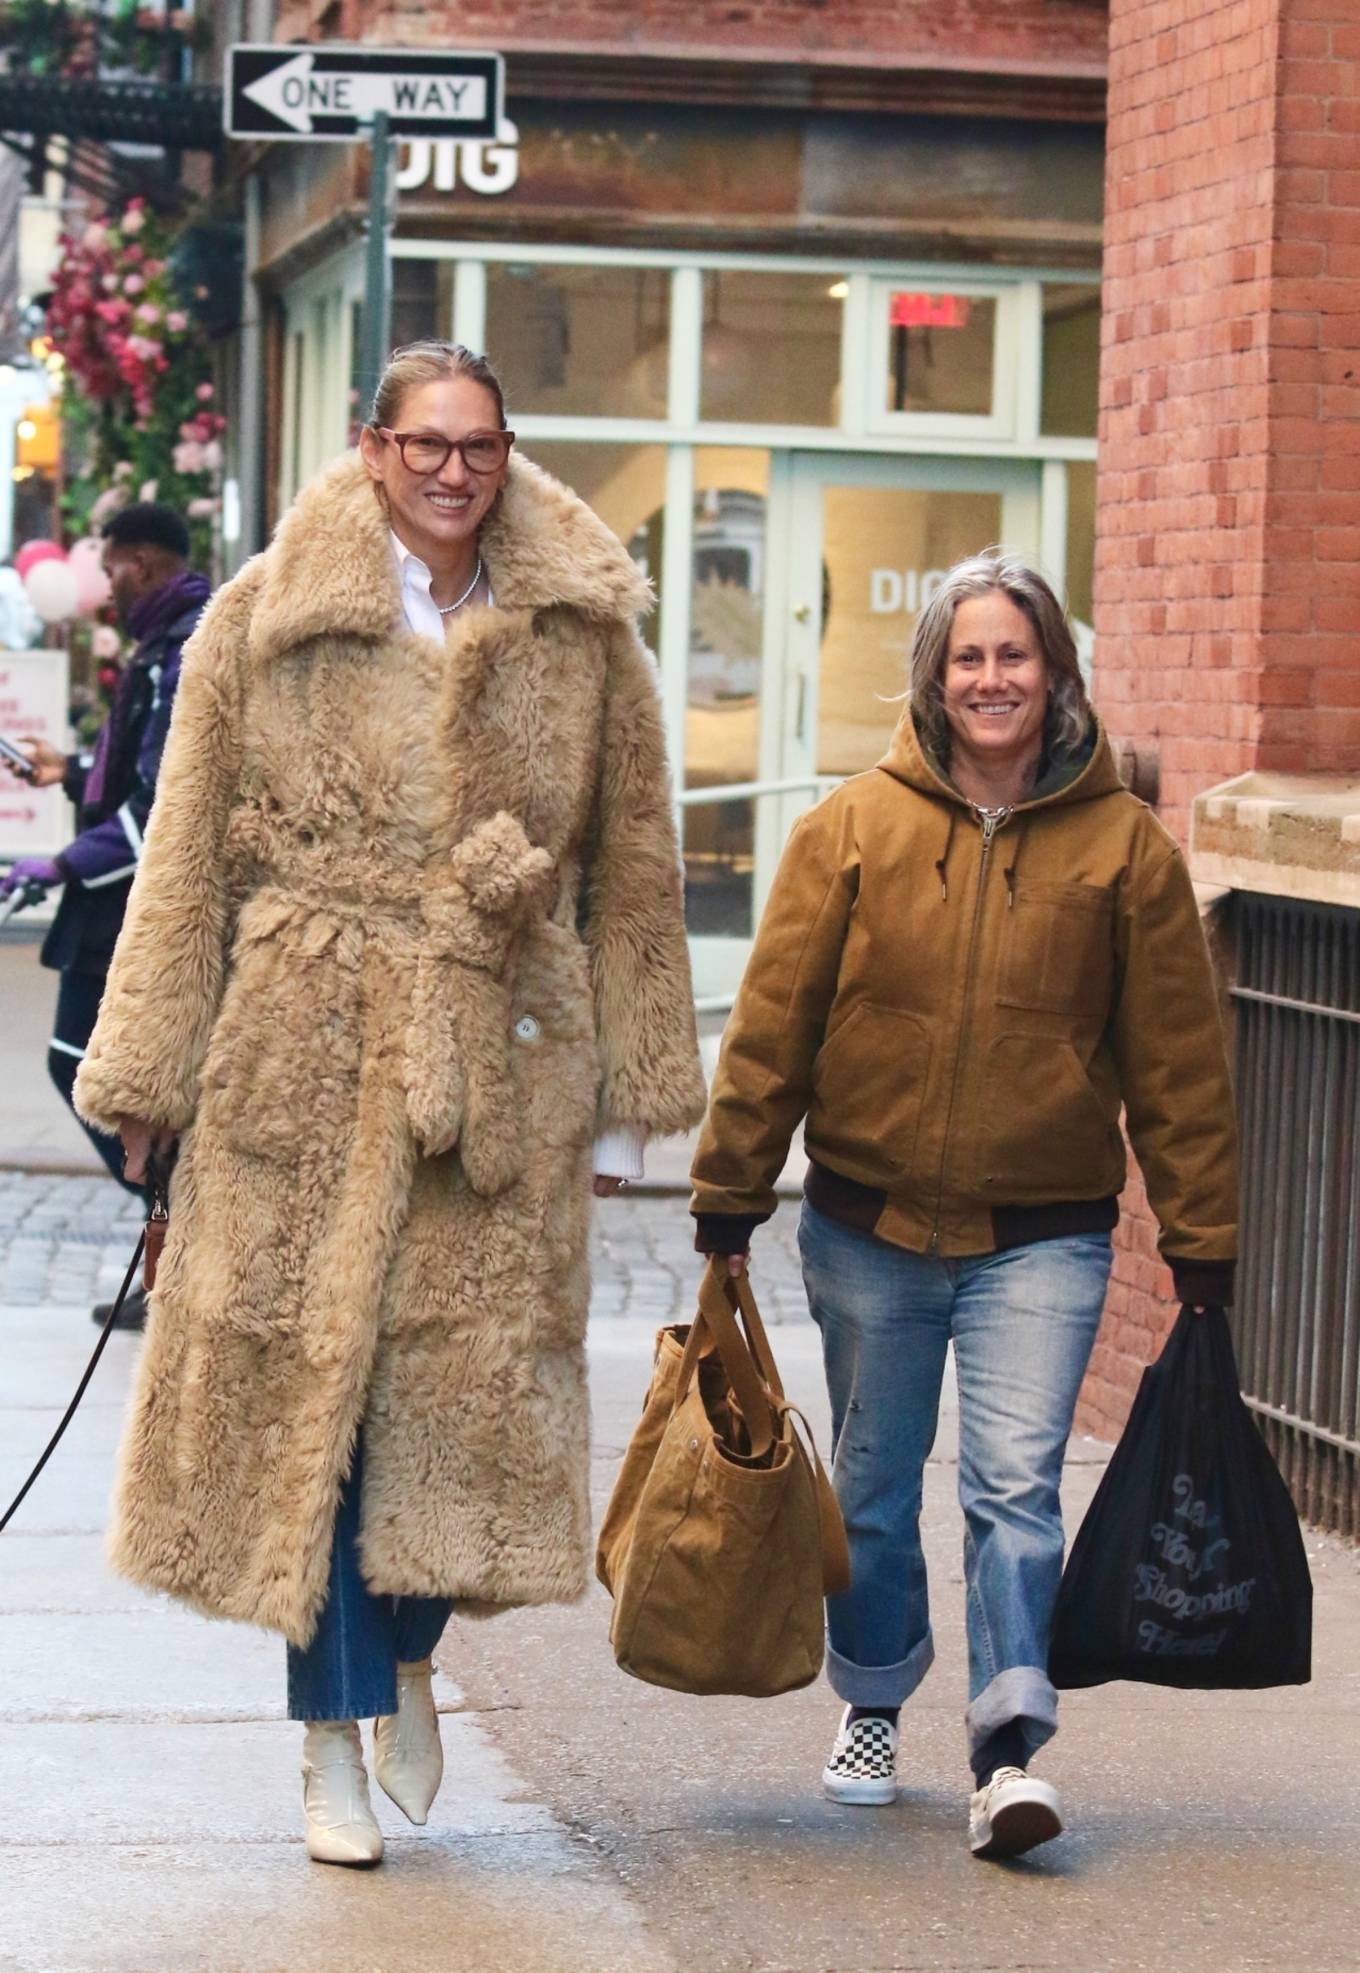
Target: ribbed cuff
pixel 725 1233
pixel 618 1152
pixel 1203 1281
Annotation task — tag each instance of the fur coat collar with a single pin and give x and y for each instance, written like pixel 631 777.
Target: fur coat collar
pixel 330 568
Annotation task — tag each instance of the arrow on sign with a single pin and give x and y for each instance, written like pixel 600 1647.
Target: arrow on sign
pixel 297 92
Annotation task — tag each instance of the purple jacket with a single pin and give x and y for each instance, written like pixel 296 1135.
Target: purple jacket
pixel 113 791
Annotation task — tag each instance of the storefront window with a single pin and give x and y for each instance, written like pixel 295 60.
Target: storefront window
pixel 580 342
pixel 722 717
pixel 771 351
pixel 626 487
pixel 939 352
pixel 1071 381
pixel 422 300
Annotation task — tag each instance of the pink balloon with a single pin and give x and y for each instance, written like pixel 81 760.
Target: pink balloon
pixel 92 585
pixel 51 588
pixel 34 552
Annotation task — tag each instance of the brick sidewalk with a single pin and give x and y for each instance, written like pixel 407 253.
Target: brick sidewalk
pixel 65 1239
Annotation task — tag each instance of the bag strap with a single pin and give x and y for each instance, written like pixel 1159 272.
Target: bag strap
pixel 835 1543
pixel 758 1400
pixel 740 1292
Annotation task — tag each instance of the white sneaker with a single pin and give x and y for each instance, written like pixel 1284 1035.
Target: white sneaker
pixel 341 1826
pixel 1012 1814
pixel 863 1764
pixel 408 1758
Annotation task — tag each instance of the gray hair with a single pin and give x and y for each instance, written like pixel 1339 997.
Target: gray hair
pixel 993 570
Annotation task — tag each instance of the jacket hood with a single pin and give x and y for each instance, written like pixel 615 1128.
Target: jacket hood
pixel 330 567
pixel 908 761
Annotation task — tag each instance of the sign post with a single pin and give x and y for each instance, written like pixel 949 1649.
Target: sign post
pixel 377 315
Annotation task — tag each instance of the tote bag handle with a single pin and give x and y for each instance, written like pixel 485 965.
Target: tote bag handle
pixel 715 1327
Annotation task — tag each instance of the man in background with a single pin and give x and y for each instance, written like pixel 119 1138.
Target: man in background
pixel 159 599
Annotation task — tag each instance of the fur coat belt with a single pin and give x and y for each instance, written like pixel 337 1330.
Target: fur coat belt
pixel 458 922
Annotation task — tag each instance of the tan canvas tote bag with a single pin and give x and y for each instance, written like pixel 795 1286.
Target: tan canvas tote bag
pixel 722 1535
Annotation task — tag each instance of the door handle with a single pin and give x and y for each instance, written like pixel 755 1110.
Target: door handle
pixel 803 614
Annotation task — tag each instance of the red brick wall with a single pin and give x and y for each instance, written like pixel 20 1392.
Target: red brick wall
pixel 1228 533
pixel 983 31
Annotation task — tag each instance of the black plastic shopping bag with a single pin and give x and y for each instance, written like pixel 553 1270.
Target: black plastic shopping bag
pixel 1189 1568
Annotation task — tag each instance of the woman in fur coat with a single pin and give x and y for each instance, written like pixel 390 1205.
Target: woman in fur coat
pixel 405 947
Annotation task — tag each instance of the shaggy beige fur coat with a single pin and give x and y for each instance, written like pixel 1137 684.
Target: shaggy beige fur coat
pixel 407 933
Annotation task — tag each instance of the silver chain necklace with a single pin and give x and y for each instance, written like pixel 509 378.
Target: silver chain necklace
pixel 447 609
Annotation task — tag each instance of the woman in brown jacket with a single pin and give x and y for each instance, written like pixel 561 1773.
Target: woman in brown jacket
pixel 971 958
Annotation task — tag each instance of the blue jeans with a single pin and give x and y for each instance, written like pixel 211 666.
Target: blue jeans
pixel 1022 1324
pixel 349 1670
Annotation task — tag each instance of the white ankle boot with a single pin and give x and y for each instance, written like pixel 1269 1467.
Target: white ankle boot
pixel 407 1756
pixel 341 1825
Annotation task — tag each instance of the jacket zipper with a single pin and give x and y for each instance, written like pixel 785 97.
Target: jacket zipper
pixel 990 820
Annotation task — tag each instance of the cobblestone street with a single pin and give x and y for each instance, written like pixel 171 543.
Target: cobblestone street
pixel 66 1239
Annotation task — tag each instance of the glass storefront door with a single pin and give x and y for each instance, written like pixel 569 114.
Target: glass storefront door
pixel 858 545
pixel 872 541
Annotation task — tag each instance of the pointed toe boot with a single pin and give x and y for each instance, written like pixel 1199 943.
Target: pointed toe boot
pixel 341 1825
pixel 407 1756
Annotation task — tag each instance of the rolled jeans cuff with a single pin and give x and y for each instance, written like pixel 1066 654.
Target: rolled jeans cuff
pixel 1022 1693
pixel 879 1685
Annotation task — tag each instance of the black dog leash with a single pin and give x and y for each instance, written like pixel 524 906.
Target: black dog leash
pixel 159 1179
pixel 81 1387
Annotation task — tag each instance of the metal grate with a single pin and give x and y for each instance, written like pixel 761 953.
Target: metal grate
pixel 1297 1322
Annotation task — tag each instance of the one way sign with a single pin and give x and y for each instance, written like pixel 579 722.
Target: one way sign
pixel 329 94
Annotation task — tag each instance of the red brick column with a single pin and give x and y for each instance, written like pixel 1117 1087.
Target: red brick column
pixel 1227 590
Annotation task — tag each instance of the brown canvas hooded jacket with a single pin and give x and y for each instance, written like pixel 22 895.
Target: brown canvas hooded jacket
pixel 960 1009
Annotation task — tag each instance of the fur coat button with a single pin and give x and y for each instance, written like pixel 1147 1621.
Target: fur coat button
pixel 527 1028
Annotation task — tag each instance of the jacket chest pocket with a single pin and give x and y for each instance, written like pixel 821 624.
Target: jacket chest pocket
pixel 1057 950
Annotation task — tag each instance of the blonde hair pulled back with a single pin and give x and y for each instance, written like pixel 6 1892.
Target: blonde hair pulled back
pixel 429 362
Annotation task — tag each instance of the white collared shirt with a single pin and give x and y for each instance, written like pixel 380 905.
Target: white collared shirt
pixel 418 606
pixel 618 1152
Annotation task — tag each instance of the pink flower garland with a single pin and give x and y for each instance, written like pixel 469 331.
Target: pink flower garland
pixel 107 292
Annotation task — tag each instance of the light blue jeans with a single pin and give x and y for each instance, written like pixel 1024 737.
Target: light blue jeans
pixel 349 1670
pixel 1022 1324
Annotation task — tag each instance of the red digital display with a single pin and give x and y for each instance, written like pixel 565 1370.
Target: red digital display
pixel 929 311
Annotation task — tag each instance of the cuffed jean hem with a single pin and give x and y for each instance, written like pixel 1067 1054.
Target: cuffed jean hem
pixel 879 1685
pixel 361 1702
pixel 1022 1693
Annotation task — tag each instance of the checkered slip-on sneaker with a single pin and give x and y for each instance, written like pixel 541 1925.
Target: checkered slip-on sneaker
pixel 863 1764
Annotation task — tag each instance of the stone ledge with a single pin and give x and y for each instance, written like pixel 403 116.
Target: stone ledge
pixel 1285 835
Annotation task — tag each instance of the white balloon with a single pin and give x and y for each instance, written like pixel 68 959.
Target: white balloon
pixel 53 590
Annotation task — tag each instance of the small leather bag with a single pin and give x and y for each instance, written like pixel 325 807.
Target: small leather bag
pixel 723 1534
pixel 157 1218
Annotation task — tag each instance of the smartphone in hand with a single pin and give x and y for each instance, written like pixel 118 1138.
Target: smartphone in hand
pixel 16 760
